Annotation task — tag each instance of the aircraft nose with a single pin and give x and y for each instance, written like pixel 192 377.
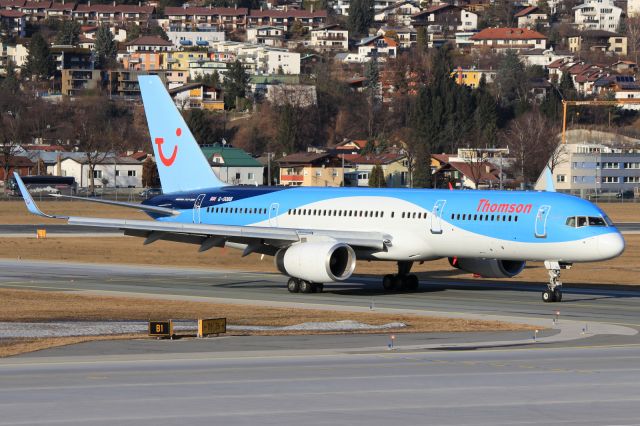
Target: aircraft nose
pixel 610 245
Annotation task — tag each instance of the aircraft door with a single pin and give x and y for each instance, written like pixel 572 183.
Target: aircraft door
pixel 196 208
pixel 273 214
pixel 436 216
pixel 541 221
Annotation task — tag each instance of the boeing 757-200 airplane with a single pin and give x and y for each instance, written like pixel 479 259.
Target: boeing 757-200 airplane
pixel 317 234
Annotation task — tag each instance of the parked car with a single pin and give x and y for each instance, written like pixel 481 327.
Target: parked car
pixel 150 192
pixel 625 194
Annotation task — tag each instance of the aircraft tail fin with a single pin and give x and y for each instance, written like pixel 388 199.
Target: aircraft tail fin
pixel 548 180
pixel 181 164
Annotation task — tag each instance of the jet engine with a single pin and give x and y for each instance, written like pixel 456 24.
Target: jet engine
pixel 489 268
pixel 317 262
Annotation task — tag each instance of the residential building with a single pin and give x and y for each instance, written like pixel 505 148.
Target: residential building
pixel 267 35
pixel 12 23
pixel 395 168
pixel 112 14
pixel 633 8
pixel 233 165
pixel 124 83
pixel 329 38
pixel 501 39
pixel 17 163
pixel 472 174
pixel 76 81
pixel 531 17
pixel 598 15
pixel 194 18
pixel 595 168
pixel 182 38
pixel 111 171
pixel 285 19
pixel 406 37
pixel 468 21
pixel 543 57
pixel 143 61
pixel 198 96
pixel 257 58
pixel 68 57
pixel 209 67
pixel 446 17
pixel 471 77
pixel 341 7
pixel 377 46
pixel 400 13
pixel 149 44
pixel 598 40
pixel 311 169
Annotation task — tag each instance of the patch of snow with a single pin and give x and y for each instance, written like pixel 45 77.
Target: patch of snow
pixel 95 328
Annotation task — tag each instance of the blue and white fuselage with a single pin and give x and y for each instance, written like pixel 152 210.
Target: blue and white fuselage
pixel 420 224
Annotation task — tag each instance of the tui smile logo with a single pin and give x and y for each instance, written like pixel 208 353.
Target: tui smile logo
pixel 168 161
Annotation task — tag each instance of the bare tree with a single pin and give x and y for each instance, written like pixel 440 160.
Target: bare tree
pixel 633 36
pixel 532 141
pixel 12 129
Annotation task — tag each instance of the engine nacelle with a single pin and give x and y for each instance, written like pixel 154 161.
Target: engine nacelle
pixel 489 268
pixel 317 262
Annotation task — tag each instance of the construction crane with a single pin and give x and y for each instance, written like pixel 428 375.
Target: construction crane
pixel 596 102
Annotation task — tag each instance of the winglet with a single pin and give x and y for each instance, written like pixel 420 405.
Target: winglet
pixel 28 200
pixel 548 177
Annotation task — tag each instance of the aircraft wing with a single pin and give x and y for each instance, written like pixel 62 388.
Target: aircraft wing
pixel 209 236
pixel 252 238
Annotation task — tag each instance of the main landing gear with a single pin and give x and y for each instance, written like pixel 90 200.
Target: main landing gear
pixel 296 285
pixel 554 291
pixel 403 280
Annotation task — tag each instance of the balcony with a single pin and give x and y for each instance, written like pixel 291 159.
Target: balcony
pixel 336 37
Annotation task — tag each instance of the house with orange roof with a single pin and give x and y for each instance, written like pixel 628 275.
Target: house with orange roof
pixel 379 45
pixel 395 167
pixel 531 17
pixel 501 39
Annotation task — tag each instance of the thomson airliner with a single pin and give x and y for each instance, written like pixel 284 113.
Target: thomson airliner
pixel 317 235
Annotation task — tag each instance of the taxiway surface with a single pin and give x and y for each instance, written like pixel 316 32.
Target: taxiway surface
pixel 569 386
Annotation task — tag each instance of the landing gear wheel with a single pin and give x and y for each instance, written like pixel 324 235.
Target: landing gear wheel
pixel 411 282
pixel 557 295
pixel 387 282
pixel 319 288
pixel 397 283
pixel 305 286
pixel 548 296
pixel 293 285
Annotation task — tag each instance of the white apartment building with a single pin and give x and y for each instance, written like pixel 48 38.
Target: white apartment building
pixel 121 172
pixel 399 13
pixel 597 15
pixel 633 8
pixel 260 59
pixel 341 7
pixel 330 38
pixel 181 39
pixel 468 21
pixel 266 35
pixel 589 168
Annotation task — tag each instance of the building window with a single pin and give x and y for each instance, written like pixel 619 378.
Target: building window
pixel 610 179
pixel 251 176
pixel 97 174
pixel 561 178
pixel 117 172
pixel 131 173
pixel 610 165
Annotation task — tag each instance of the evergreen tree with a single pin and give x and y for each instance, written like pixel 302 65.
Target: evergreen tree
pixel 372 85
pixel 10 82
pixel 69 34
pixel 486 118
pixel 360 16
pixel 422 40
pixel 551 106
pixel 212 79
pixel 566 86
pixel 150 176
pixel 39 64
pixel 106 48
pixel 376 177
pixel 510 81
pixel 235 84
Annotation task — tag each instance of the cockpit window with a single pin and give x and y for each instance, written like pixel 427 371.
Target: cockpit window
pixel 608 221
pixel 580 221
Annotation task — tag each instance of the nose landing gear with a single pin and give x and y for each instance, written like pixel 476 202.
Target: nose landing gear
pixel 554 290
